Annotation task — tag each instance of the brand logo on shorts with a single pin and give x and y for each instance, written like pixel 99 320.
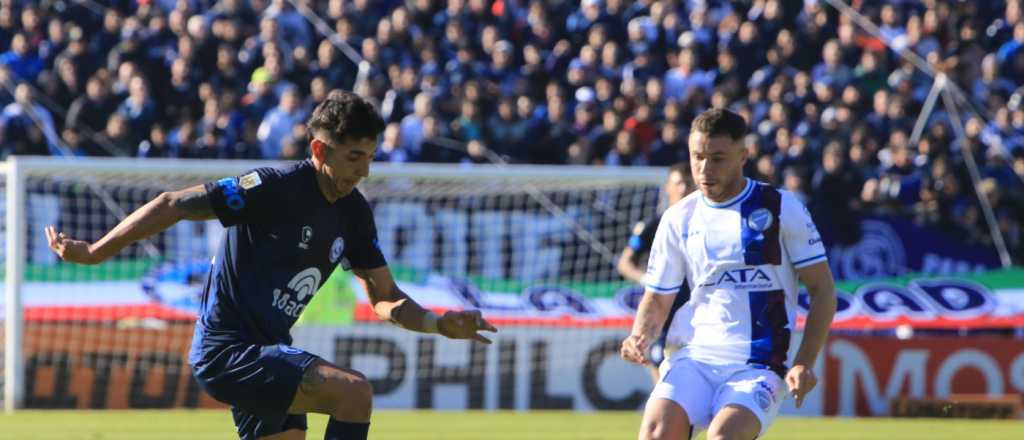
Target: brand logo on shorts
pixel 760 220
pixel 336 249
pixel 307 235
pixel 287 349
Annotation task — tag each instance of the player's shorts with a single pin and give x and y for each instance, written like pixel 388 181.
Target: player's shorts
pixel 703 389
pixel 259 382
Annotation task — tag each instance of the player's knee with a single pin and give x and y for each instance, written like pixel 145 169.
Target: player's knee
pixel 727 432
pixel 656 430
pixel 352 398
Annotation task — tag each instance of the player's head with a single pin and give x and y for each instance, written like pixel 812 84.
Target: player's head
pixel 343 131
pixel 679 182
pixel 717 155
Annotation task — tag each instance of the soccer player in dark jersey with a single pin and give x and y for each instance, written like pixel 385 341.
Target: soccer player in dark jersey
pixel 633 260
pixel 288 228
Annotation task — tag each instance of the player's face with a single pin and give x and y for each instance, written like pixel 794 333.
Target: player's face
pixel 717 165
pixel 677 187
pixel 344 165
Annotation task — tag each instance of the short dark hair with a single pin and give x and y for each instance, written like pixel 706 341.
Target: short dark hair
pixel 345 116
pixel 683 168
pixel 719 122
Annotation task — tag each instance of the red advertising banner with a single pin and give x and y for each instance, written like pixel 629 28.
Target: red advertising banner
pixel 140 364
pixel 863 374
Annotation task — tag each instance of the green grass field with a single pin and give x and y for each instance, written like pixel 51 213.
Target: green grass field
pixel 460 425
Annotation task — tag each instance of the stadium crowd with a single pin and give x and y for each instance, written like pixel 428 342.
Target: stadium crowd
pixel 603 82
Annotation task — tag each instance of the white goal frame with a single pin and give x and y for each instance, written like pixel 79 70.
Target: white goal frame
pixel 17 169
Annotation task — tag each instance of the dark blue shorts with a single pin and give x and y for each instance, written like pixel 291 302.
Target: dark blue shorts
pixel 259 382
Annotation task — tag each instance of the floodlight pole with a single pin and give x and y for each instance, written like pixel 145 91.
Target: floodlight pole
pixel 926 110
pixel 972 167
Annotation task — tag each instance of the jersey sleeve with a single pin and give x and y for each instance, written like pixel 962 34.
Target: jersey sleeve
pixel 800 236
pixel 666 266
pixel 248 198
pixel 643 235
pixel 363 250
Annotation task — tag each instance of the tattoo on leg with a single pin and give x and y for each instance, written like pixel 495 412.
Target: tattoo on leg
pixel 311 379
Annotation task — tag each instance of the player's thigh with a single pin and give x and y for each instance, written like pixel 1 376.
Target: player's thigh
pixel 329 389
pixel 291 434
pixel 746 404
pixel 664 419
pixel 680 400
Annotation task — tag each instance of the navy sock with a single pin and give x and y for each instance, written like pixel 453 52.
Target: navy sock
pixel 337 430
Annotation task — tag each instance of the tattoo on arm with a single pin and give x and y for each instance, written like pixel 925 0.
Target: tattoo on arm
pixel 312 379
pixel 195 204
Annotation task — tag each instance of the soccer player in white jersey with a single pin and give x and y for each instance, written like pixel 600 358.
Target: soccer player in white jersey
pixel 741 245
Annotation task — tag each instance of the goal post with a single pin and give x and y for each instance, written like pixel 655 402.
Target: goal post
pixel 534 247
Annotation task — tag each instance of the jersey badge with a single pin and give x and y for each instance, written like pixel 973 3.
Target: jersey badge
pixel 760 220
pixel 250 180
pixel 336 249
pixel 307 235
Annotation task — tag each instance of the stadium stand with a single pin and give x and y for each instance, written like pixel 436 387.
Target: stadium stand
pixel 603 82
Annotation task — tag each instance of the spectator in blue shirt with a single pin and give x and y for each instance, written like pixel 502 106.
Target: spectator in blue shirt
pixel 20 60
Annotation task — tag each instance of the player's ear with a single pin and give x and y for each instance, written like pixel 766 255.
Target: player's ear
pixel 318 149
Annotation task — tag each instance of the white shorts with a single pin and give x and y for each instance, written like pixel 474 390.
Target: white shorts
pixel 703 389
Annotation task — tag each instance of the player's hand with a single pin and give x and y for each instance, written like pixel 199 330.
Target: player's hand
pixel 70 250
pixel 464 325
pixel 800 380
pixel 634 349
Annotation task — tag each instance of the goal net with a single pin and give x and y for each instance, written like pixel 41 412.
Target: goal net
pixel 533 248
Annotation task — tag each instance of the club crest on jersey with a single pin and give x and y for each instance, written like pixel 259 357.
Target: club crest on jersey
pixel 760 220
pixel 336 249
pixel 307 235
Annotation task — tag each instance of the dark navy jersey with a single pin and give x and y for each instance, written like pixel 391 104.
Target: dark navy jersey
pixel 643 236
pixel 284 239
pixel 640 242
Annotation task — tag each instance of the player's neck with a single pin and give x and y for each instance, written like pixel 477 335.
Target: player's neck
pixel 323 182
pixel 735 188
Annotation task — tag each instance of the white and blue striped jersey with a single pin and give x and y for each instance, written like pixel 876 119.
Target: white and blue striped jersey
pixel 740 257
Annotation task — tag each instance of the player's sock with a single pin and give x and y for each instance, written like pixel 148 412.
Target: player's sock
pixel 338 430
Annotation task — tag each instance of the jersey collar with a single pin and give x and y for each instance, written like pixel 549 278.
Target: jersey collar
pixel 742 196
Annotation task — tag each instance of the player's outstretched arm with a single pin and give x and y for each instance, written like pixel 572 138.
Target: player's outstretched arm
pixel 392 304
pixel 822 291
pixel 153 217
pixel 650 316
pixel 627 268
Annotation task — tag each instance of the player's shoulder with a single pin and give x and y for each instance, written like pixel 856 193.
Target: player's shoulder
pixel 789 199
pixel 684 208
pixel 266 176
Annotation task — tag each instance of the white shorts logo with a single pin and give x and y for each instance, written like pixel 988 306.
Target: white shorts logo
pixel 336 249
pixel 764 399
